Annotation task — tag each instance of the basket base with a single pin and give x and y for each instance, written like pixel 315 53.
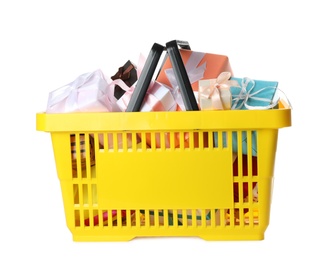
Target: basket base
pixel 248 237
pixel 77 238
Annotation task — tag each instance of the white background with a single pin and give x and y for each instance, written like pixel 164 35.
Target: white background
pixel 47 44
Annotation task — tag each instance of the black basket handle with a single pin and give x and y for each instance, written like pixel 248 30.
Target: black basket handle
pixel 181 73
pixel 144 80
pixel 149 68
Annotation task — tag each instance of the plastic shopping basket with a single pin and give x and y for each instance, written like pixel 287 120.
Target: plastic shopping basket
pixel 124 179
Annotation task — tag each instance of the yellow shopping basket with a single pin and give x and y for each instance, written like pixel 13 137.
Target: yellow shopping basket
pixel 135 189
pixel 141 174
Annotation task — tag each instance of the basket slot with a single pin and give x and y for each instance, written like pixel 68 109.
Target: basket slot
pixel 76 194
pixel 154 140
pixel 170 218
pixel 244 142
pixel 82 154
pixel 85 194
pixel 77 218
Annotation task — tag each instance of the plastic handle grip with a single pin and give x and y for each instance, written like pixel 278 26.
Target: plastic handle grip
pixel 144 80
pixel 183 44
pixel 181 74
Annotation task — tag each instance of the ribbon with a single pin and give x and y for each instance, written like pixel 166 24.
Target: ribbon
pixel 245 95
pixel 123 102
pixel 150 99
pixel 194 74
pixel 110 93
pixel 154 102
pixel 214 90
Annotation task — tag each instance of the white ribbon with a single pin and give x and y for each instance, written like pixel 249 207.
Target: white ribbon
pixel 244 95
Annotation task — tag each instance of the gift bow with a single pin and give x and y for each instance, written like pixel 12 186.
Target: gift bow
pixel 123 74
pixel 213 91
pixel 245 95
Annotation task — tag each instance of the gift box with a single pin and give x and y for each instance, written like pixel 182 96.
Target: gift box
pixel 198 65
pixel 215 94
pixel 89 92
pixel 128 74
pixel 158 98
pixel 253 94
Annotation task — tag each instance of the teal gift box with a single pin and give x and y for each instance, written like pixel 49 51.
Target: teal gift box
pixel 250 95
pixel 253 94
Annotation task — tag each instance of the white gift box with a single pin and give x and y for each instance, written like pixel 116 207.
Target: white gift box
pixel 158 98
pixel 87 93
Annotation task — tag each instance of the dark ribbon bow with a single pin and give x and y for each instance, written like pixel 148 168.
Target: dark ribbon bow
pixel 123 74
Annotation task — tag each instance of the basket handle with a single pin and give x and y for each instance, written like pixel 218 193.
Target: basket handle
pixel 144 80
pixel 181 73
pixel 149 68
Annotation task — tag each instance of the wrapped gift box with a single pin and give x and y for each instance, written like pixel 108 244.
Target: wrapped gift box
pixel 128 74
pixel 215 94
pixel 198 65
pixel 253 94
pixel 158 98
pixel 87 93
pixel 211 97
